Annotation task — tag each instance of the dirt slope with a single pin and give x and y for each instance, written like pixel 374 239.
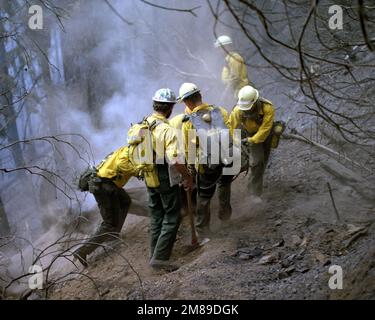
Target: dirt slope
pixel 281 249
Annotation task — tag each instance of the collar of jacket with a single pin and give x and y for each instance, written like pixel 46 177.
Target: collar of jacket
pixel 232 54
pixel 160 117
pixel 198 108
pixel 259 111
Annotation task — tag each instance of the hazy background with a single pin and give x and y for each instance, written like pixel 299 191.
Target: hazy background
pixel 92 71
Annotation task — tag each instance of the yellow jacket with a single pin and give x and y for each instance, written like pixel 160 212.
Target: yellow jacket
pixel 164 140
pixel 176 121
pixel 117 167
pixel 234 74
pixel 258 132
pixel 187 126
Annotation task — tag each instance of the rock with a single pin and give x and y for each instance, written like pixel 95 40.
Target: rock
pixel 354 237
pixel 250 252
pixel 296 241
pixel 292 257
pixel 304 269
pixel 304 242
pixel 290 270
pixel 285 263
pixel 244 256
pixel 278 223
pixel 282 274
pixel 322 258
pixel 352 229
pixel 279 244
pixel 268 259
pixel 301 254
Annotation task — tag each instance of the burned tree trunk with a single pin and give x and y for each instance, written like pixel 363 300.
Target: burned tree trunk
pixel 4 223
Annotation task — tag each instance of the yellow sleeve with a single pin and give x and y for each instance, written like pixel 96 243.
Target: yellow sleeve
pixel 233 120
pixel 266 126
pixel 224 113
pixel 236 67
pixel 190 145
pixel 176 121
pixel 236 124
pixel 172 152
pixel 124 166
pixel 225 75
pixel 243 74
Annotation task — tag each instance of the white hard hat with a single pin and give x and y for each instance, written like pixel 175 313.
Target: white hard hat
pixel 186 90
pixel 247 97
pixel 222 41
pixel 164 95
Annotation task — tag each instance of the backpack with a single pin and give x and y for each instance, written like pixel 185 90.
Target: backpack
pixel 85 177
pixel 142 156
pixel 210 126
pixel 123 163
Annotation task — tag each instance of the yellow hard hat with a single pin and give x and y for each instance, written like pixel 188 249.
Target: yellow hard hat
pixel 223 41
pixel 186 90
pixel 247 97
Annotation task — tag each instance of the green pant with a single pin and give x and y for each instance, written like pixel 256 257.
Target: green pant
pixel 165 216
pixel 207 182
pixel 113 204
pixel 259 155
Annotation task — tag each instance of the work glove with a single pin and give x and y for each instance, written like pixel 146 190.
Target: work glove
pixel 192 170
pixel 247 142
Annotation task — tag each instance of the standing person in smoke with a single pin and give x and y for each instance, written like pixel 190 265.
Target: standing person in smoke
pixel 234 72
pixel 200 118
pixel 164 196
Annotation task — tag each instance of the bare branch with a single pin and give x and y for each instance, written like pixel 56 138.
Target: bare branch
pixel 117 13
pixel 362 19
pixel 191 11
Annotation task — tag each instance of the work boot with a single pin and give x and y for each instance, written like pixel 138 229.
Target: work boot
pixel 81 258
pixel 224 194
pixel 225 213
pixel 163 265
pixel 202 233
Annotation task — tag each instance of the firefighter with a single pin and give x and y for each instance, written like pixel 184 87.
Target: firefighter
pixel 164 199
pixel 254 115
pixel 106 183
pixel 207 176
pixel 234 72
